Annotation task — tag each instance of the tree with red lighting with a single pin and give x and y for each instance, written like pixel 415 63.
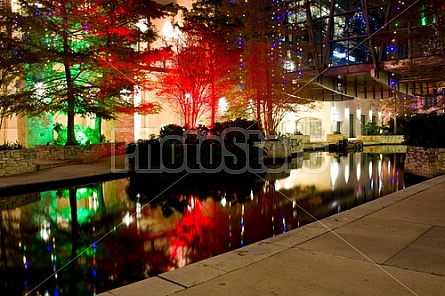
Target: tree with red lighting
pixel 195 76
pixel 89 62
pixel 208 20
pixel 267 81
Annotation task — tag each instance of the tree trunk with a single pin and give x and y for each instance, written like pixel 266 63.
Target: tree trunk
pixel 71 137
pixel 98 127
pixel 213 99
pixel 269 116
pixel 395 114
pixel 74 265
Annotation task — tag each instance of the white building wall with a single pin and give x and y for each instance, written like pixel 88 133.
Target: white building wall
pixel 170 113
pixel 334 115
pixel 8 132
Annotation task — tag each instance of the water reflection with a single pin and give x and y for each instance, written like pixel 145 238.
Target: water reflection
pixel 85 240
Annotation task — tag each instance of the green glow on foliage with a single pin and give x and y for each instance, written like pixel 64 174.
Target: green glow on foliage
pixel 84 134
pixel 423 18
pixel 83 193
pixel 90 252
pixel 83 213
pixel 81 137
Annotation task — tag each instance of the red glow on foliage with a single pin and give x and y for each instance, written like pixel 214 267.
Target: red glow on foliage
pixel 197 231
pixel 144 108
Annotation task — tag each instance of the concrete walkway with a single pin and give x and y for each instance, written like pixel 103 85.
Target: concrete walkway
pixel 67 175
pixel 394 245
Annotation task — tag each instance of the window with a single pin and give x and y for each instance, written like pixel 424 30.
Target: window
pixel 309 126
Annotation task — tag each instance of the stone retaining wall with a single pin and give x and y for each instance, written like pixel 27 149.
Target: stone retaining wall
pixel 334 138
pixel 382 149
pixel 17 161
pixel 86 153
pixel 396 139
pixel 281 148
pixel 16 201
pixel 304 138
pixel 425 162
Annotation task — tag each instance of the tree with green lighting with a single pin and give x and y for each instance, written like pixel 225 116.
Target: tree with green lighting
pixel 89 60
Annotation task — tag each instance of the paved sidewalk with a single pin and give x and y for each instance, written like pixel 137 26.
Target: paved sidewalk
pixel 394 245
pixel 106 168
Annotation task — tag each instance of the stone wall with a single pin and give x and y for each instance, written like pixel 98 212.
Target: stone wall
pixel 281 148
pixel 425 162
pixel 304 138
pixel 396 139
pixel 87 153
pixel 334 138
pixel 17 161
pixel 16 201
pixel 383 149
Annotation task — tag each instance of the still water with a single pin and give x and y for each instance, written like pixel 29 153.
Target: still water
pixel 88 239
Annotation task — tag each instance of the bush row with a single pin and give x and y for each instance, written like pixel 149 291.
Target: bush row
pixel 425 130
pixel 11 146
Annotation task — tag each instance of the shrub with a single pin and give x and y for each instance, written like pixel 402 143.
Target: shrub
pixel 171 129
pixel 11 146
pixel 389 129
pixel 148 153
pixel 372 129
pixel 425 130
pixel 248 125
pixel 84 134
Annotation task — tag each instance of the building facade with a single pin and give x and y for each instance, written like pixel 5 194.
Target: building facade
pixel 353 59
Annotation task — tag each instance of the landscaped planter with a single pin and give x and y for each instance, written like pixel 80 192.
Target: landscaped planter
pixel 425 162
pixel 19 161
